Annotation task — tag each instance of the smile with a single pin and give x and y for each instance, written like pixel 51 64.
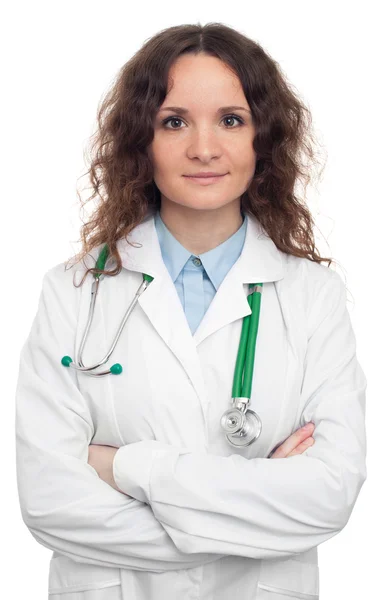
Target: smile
pixel 205 180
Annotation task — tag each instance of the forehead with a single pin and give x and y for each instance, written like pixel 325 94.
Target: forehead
pixel 201 80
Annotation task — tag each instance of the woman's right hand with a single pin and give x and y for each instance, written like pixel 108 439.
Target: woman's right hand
pixel 296 443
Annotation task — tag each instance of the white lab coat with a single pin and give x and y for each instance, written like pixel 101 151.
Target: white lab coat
pixel 202 520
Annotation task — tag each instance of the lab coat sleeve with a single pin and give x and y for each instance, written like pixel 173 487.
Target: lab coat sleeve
pixel 269 508
pixel 64 503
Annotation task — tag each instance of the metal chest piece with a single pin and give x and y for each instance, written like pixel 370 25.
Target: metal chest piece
pixel 241 425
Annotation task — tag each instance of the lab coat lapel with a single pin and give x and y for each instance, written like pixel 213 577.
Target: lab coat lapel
pixel 260 261
pixel 160 301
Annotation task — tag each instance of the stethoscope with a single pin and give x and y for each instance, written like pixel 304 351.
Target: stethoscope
pixel 241 425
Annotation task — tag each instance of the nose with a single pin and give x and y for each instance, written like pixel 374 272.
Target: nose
pixel 205 144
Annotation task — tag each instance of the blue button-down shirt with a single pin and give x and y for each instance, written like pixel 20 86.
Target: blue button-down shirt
pixel 197 278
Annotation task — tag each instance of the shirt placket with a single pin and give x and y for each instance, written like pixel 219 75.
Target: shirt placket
pixel 193 292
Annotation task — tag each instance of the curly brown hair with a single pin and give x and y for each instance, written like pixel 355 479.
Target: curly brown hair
pixel 121 172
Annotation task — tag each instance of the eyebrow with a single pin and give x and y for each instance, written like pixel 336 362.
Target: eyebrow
pixel 185 111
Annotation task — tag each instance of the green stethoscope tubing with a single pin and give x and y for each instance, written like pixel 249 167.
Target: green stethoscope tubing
pixel 244 367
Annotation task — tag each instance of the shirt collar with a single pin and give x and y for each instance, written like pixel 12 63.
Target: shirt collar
pixel 216 262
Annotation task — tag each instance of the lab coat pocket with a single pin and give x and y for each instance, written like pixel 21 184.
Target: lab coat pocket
pixel 290 578
pixel 68 578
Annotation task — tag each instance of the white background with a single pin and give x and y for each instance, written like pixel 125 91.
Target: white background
pixel 58 60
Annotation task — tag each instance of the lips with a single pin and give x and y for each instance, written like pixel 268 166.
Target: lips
pixel 206 175
pixel 205 180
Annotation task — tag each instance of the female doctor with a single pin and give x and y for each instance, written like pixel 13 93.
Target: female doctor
pixel 146 470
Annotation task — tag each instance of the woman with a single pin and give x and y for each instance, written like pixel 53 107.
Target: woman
pixel 131 480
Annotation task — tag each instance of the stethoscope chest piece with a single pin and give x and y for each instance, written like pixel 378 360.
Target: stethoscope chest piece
pixel 242 426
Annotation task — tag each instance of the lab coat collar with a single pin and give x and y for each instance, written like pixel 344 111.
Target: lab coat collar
pixel 216 262
pixel 260 261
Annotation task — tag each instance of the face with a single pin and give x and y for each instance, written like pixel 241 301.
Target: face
pixel 205 138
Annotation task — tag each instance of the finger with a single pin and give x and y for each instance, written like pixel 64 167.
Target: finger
pixel 293 441
pixel 302 447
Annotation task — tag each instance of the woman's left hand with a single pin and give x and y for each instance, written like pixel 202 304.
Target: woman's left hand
pixel 101 459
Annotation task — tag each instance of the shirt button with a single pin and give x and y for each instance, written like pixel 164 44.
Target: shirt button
pixel 197 262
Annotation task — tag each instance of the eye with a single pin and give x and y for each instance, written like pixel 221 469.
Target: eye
pixel 174 118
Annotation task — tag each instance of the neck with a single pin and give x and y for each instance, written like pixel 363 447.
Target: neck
pixel 201 230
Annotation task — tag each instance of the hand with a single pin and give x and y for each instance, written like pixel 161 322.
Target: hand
pixel 296 443
pixel 101 459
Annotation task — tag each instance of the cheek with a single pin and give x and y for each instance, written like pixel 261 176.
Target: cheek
pixel 165 171
pixel 163 156
pixel 242 162
pixel 240 151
